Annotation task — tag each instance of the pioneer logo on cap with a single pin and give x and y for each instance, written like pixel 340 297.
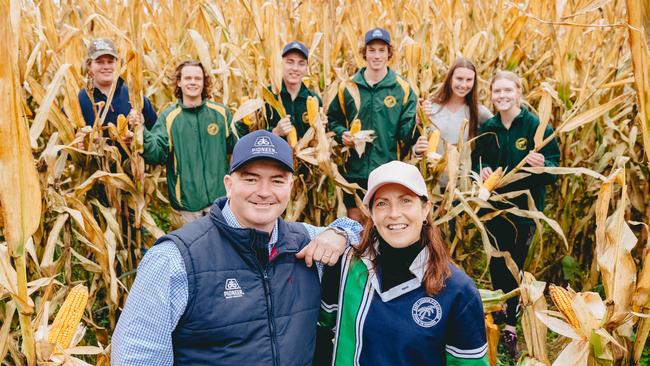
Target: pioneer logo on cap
pixel 263 145
pixel 377 33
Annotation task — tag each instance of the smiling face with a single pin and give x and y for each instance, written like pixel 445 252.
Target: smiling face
pixel 103 69
pixel 462 81
pixel 191 82
pixel 398 214
pixel 258 193
pixel 505 95
pixel 294 68
pixel 377 55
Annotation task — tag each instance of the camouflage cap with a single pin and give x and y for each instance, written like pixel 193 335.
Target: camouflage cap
pixel 101 46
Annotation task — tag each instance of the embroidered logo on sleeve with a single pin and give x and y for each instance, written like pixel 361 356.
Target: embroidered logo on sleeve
pixel 232 289
pixel 426 312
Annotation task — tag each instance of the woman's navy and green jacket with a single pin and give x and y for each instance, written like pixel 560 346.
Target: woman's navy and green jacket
pixel 388 108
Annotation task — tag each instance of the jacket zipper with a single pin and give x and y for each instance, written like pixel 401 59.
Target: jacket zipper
pixel 198 131
pixel 269 309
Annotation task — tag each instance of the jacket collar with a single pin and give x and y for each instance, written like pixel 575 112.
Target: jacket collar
pixel 496 121
pixel 388 81
pixel 417 267
pixel 98 95
pixel 179 103
pixel 302 93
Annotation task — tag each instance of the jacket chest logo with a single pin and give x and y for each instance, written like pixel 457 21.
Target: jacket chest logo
pixel 232 289
pixel 390 101
pixel 426 312
pixel 213 129
pixel 305 117
pixel 521 143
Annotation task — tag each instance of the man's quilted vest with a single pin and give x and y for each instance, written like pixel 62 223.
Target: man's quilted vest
pixel 244 309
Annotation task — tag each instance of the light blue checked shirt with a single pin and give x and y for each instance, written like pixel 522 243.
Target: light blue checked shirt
pixel 158 297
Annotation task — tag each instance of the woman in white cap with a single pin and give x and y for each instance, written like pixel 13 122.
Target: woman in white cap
pixel 397 298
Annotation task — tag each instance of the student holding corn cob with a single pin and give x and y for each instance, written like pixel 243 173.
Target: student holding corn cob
pixel 504 141
pixel 400 281
pixel 454 102
pixel 236 287
pixel 386 105
pixel 294 93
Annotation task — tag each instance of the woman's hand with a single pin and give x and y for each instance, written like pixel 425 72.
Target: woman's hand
pixel 535 159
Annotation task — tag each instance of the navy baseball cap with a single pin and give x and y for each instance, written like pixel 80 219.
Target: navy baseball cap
pixel 261 144
pixel 297 47
pixel 377 34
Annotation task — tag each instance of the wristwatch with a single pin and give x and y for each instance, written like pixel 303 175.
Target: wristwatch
pixel 341 232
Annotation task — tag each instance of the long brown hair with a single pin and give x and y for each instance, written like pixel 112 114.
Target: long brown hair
pixel 437 267
pixel 207 80
pixel 443 95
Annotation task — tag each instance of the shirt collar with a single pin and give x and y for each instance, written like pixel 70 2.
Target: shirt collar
pixel 418 268
pixel 231 220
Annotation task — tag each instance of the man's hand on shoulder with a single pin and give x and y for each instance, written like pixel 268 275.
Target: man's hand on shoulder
pixel 326 248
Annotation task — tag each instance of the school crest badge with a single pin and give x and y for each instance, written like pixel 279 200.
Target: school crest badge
pixel 390 101
pixel 213 129
pixel 426 312
pixel 521 143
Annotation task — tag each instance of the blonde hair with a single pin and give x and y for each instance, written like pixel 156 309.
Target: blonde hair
pixel 508 75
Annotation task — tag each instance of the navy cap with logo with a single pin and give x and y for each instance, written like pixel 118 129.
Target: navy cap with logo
pixel 261 144
pixel 377 34
pixel 295 46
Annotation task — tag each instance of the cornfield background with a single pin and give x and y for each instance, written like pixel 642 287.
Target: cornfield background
pixel 75 216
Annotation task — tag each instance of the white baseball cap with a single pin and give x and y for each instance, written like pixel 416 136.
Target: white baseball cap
pixel 397 172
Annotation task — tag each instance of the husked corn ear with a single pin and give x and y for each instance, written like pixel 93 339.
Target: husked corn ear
pixel 493 179
pixel 562 300
pixel 355 126
pixel 432 148
pixel 122 125
pixel 66 321
pixel 312 110
pixel 292 137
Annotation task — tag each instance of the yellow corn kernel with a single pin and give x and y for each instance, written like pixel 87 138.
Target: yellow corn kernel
pixel 292 137
pixel 355 126
pixel 68 318
pixel 563 300
pixel 312 110
pixel 122 125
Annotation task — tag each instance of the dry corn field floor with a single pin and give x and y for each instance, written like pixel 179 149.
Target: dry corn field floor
pixel 80 216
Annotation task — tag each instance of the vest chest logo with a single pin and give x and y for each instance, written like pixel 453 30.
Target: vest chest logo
pixel 521 143
pixel 232 289
pixel 213 129
pixel 390 101
pixel 305 118
pixel 426 312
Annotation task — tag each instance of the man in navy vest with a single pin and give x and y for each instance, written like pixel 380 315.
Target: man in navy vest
pixel 236 287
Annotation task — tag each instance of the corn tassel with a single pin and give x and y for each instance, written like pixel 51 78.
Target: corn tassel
pixel 68 318
pixel 563 300
pixel 355 126
pixel 292 137
pixel 432 148
pixel 312 110
pixel 490 183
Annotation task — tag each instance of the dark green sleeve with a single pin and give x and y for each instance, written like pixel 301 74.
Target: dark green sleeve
pixel 407 130
pixel 156 142
pixel 336 120
pixel 241 128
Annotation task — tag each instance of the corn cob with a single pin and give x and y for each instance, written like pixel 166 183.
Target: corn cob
pixel 490 183
pixel 312 110
pixel 355 126
pixel 248 120
pixel 68 318
pixel 432 148
pixel 292 137
pixel 122 126
pixel 563 300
